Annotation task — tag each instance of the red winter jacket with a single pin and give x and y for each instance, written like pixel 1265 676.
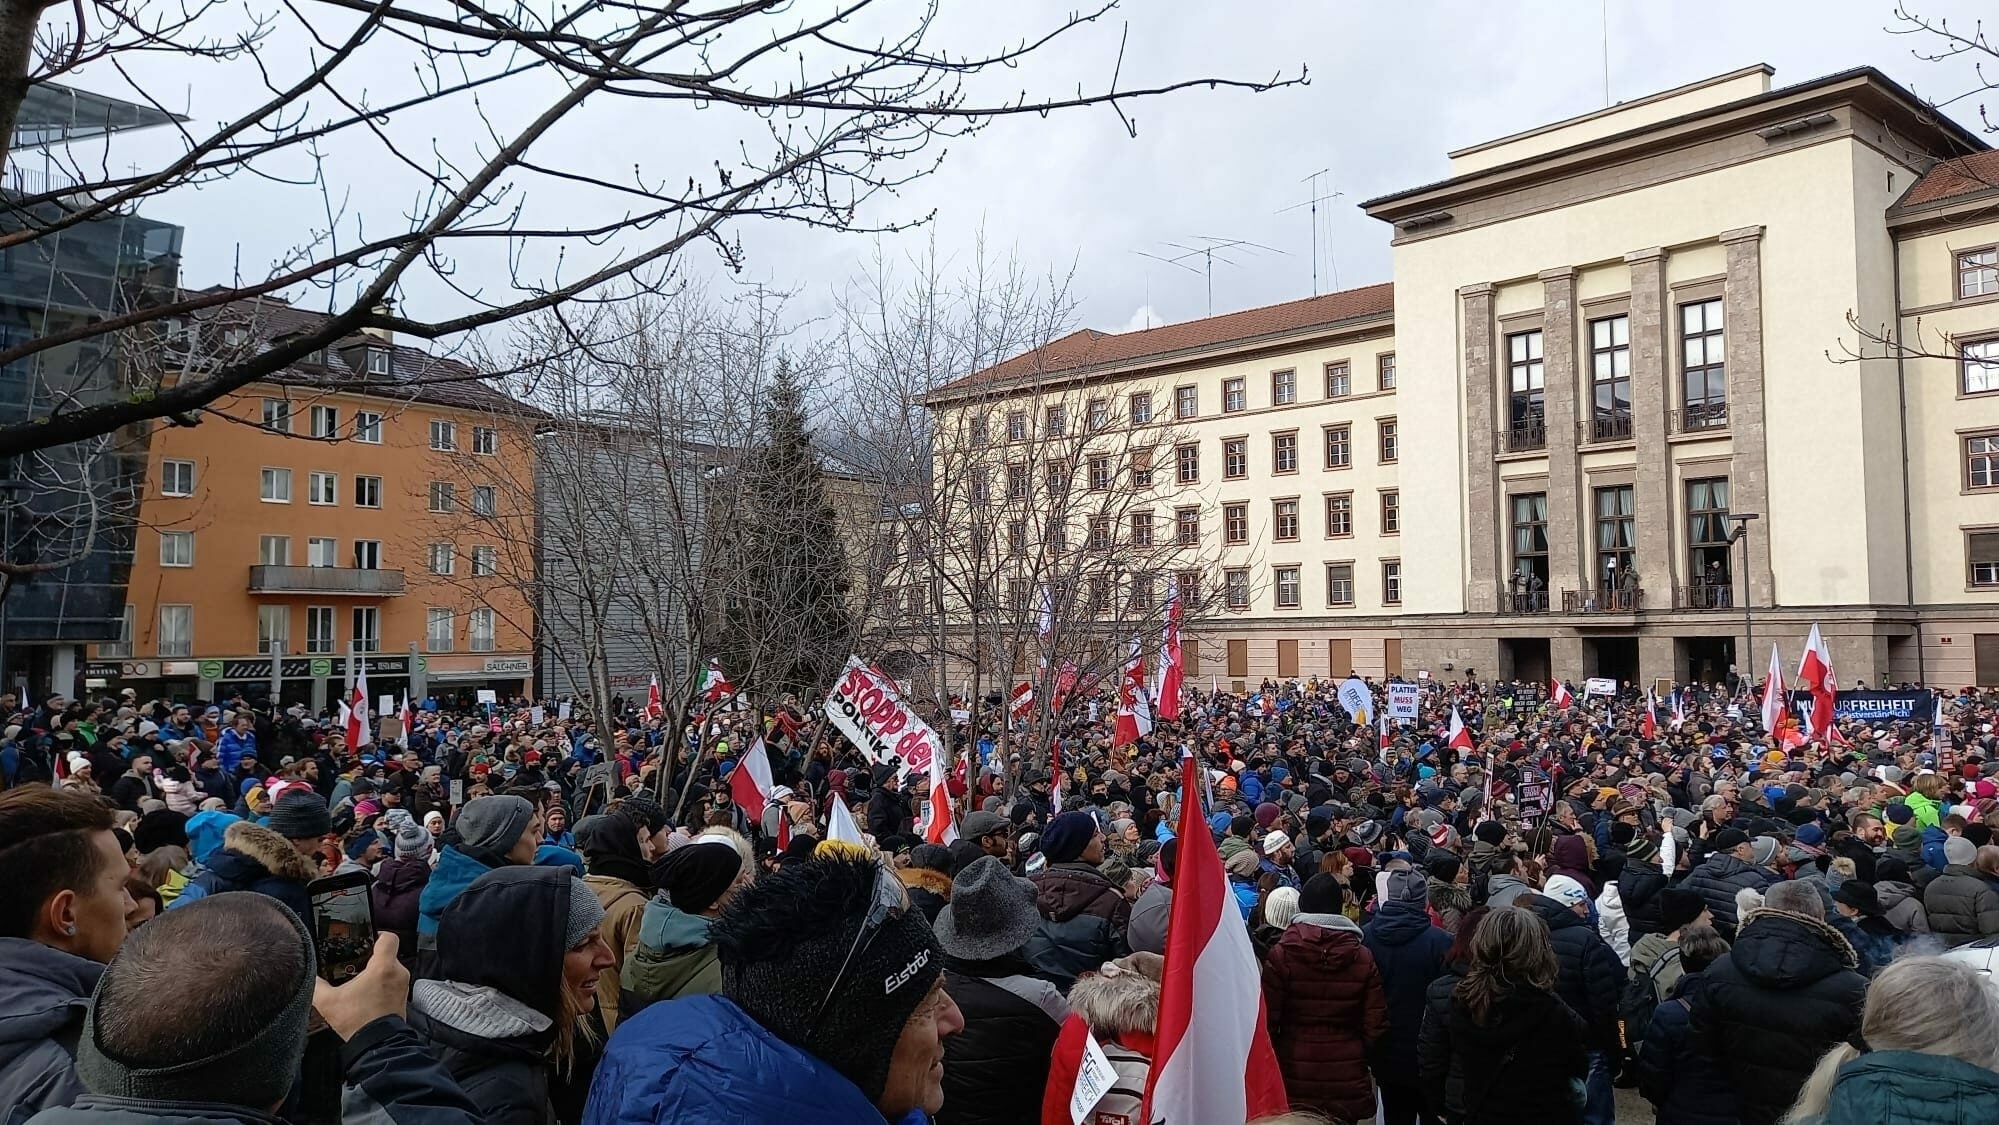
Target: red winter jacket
pixel 1326 1008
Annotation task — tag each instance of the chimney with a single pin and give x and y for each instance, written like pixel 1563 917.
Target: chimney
pixel 385 307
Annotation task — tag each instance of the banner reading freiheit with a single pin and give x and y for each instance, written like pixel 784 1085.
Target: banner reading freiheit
pixel 870 712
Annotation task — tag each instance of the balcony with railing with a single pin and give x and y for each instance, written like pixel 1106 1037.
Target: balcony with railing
pixel 1515 601
pixel 1607 426
pixel 345 581
pixel 1704 595
pixel 1699 417
pixel 1603 600
pixel 1524 436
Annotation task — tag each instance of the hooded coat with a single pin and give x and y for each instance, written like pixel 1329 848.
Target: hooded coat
pixel 1149 915
pixel 43 995
pixel 1323 997
pixel 1902 906
pixel 929 890
pixel 456 869
pixel 1717 880
pixel 622 883
pixel 1592 976
pixel 1961 906
pixel 1409 952
pixel 675 957
pixel 1785 992
pixel 1083 921
pixel 1910 1088
pixel 254 858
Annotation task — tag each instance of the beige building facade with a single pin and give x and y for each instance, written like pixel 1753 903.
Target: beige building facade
pixel 1707 366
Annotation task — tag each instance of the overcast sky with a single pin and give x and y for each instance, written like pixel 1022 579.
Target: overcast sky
pixel 1393 88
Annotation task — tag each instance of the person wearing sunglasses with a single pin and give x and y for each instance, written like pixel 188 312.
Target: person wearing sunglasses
pixel 832 1010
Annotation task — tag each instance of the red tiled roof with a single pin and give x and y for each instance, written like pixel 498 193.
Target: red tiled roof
pixel 1952 178
pixel 1091 348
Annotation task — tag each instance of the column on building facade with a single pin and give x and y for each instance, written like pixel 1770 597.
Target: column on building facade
pixel 1652 486
pixel 1568 522
pixel 1658 658
pixel 1749 475
pixel 1481 474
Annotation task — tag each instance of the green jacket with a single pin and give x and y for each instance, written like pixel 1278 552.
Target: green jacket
pixel 1908 1088
pixel 1924 808
pixel 675 957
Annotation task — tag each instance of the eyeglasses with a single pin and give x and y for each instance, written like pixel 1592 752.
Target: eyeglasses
pixel 887 900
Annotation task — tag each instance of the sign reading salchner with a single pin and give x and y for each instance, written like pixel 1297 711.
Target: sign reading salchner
pixel 870 712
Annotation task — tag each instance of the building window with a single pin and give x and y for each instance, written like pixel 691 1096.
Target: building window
pixel 443 558
pixel 443 496
pixel 1057 420
pixel 1283 387
pixel 1286 583
pixel 1141 468
pixel 1339 380
pixel 979 431
pixel 1339 515
pixel 1707 538
pixel 1610 378
pixel 1016 425
pixel 322 552
pixel 482 634
pixel 275 486
pixel 1339 583
pixel 367 492
pixel 318 629
pixel 122 647
pixel 1339 447
pixel 485 440
pixel 1097 415
pixel 978 488
pixel 1187 527
pixel 1981 461
pixel 1235 523
pixel 1391 581
pixel 1186 402
pixel 1141 592
pixel 1284 520
pixel 274 550
pixel 274 629
pixel 177 548
pixel 325 421
pixel 1141 408
pixel 1235 587
pixel 367 554
pixel 1390 440
pixel 1187 588
pixel 1016 482
pixel 176 478
pixel 1978 273
pixel 1234 398
pixel 1141 529
pixel 1100 533
pixel 437 628
pixel 1616 537
pixel 1704 371
pixel 485 500
pixel 1284 452
pixel 176 632
pixel 1981 550
pixel 1057 475
pixel 485 562
pixel 1530 549
pixel 368 427
pixel 1527 388
pixel 1391 512
pixel 443 435
pixel 1384 371
pixel 1100 473
pixel 1979 365
pixel 367 628
pixel 277 416
pixel 1187 463
pixel 1235 458
pixel 1016 537
pixel 378 361
pixel 323 488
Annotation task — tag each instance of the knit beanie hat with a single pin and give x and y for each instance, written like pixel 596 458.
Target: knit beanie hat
pixel 1899 813
pixel 1958 850
pixel 783 940
pixel 1067 836
pixel 1322 895
pixel 1729 839
pixel 157 830
pixel 693 877
pixel 412 841
pixel 585 913
pixel 1281 907
pixel 1490 832
pixel 358 846
pixel 1678 907
pixel 1765 850
pixel 492 824
pixel 300 815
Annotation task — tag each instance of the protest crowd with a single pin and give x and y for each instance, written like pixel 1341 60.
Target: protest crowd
pixel 1467 902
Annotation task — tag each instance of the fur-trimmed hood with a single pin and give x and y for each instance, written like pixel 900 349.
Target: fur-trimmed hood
pixel 271 851
pixel 922 878
pixel 1783 949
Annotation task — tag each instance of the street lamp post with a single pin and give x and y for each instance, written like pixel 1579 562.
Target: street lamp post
pixel 1741 534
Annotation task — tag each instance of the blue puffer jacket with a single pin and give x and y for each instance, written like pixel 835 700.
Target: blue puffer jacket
pixel 703 1061
pixel 454 872
pixel 1410 953
pixel 1933 840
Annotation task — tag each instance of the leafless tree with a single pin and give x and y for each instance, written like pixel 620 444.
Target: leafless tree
pixel 813 109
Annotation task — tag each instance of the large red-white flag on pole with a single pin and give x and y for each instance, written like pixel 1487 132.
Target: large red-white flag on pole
pixel 358 734
pixel 1648 723
pixel 1815 675
pixel 1213 1061
pixel 1134 711
pixel 749 782
pixel 1457 736
pixel 1559 695
pixel 1773 692
pixel 406 718
pixel 939 825
pixel 1168 697
pixel 655 703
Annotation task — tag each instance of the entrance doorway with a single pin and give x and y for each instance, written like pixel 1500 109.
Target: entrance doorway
pixel 1524 659
pixel 1707 658
pixel 1614 657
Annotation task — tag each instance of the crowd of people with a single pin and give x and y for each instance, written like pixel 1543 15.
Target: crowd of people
pixel 538 914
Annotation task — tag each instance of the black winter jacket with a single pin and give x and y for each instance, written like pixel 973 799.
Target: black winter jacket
pixel 995 1069
pixel 1684 1085
pixel 1083 920
pixel 1717 880
pixel 1409 952
pixel 888 814
pixel 1442 1076
pixel 1638 888
pixel 1773 1004
pixel 1518 1066
pixel 1591 977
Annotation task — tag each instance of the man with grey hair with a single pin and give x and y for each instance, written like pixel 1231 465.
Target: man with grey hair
pixel 1785 992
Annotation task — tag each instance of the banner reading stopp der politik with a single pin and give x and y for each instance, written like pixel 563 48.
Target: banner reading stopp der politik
pixel 870 712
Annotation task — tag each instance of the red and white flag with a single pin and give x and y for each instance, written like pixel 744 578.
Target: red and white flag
pixel 714 685
pixel 939 825
pixel 406 718
pixel 1055 777
pixel 1815 675
pixel 1457 737
pixel 1168 697
pixel 1679 709
pixel 1559 695
pixel 1134 710
pixel 358 734
pixel 1648 723
pixel 1773 693
pixel 749 782
pixel 1021 704
pixel 1212 1062
pixel 655 703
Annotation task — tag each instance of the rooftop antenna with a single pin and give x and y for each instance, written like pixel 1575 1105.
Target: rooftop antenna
pixel 1208 248
pixel 1313 201
pixel 1605 8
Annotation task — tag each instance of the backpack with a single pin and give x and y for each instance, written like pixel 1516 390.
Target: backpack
pixel 1639 998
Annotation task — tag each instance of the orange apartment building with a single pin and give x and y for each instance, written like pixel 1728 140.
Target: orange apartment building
pixel 308 517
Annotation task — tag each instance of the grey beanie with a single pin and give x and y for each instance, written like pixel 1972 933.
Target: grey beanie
pixel 300 815
pixel 585 912
pixel 1765 850
pixel 412 841
pixel 492 824
pixel 1959 851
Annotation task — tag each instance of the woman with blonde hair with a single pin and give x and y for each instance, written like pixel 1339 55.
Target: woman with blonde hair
pixel 1519 1049
pixel 1927 1052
